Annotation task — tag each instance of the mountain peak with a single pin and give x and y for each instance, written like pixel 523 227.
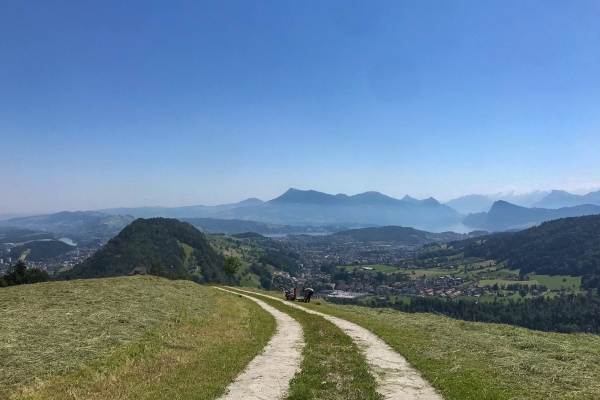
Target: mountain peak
pixel 410 199
pixel 252 201
pixel 430 201
pixel 306 197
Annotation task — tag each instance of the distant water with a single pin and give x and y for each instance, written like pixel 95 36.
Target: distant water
pixel 68 241
pixel 280 235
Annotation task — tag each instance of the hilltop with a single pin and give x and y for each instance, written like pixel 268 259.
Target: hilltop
pixel 181 248
pixel 399 234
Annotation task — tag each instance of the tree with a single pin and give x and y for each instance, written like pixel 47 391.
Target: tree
pixel 158 269
pixel 20 275
pixel 231 266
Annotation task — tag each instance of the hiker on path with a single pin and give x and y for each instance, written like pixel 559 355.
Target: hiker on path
pixel 308 292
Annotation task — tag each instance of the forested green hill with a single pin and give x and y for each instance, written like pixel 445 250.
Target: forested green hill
pixel 40 250
pixel 399 234
pixel 145 241
pixel 568 246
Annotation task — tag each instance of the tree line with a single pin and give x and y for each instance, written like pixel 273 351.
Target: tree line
pixel 564 314
pixel 19 274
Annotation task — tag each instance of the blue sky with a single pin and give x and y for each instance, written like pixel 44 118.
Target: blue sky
pixel 119 103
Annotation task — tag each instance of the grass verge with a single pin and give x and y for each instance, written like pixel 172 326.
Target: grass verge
pixel 133 337
pixel 469 360
pixel 333 366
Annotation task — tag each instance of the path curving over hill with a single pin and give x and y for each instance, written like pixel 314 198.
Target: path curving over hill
pixel 268 376
pixel 396 379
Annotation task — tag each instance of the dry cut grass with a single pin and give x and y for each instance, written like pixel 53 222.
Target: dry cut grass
pixel 133 337
pixel 468 360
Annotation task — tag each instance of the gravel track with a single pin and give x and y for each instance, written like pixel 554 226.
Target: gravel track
pixel 396 379
pixel 268 375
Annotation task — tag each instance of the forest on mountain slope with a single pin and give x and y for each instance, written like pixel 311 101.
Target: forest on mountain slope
pixel 568 246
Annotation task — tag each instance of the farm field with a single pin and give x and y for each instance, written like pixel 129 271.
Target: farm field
pixel 130 337
pixel 386 269
pixel 551 282
pixel 558 281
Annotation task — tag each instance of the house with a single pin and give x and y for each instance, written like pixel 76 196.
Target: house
pixel 138 271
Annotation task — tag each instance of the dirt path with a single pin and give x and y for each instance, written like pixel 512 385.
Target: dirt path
pixel 396 379
pixel 268 375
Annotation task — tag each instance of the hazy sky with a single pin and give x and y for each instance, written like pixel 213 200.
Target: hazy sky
pixel 118 103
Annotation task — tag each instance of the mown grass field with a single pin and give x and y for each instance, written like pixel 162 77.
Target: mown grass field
pixel 131 337
pixel 386 269
pixel 478 361
pixel 558 282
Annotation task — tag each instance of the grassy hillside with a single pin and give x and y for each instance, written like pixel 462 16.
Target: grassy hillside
pixel 478 361
pixel 128 337
pixel 254 252
pixel 17 236
pixel 144 241
pixel 569 246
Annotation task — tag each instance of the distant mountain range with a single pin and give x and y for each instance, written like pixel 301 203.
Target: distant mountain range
pixel 299 207
pixel 309 207
pixel 81 223
pixel 504 216
pixel 560 198
pixel 476 203
pixel 307 211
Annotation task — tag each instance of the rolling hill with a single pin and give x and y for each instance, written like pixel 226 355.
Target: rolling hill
pixel 42 249
pixel 83 223
pixel 236 226
pixel 568 246
pixel 399 234
pixel 16 235
pixel 180 212
pixel 181 248
pixel 503 216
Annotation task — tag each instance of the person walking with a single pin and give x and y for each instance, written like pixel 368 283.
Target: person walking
pixel 308 292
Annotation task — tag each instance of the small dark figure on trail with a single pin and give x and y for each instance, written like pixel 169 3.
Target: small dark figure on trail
pixel 308 292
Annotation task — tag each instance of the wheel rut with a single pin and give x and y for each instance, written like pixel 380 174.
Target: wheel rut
pixel 268 375
pixel 396 379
